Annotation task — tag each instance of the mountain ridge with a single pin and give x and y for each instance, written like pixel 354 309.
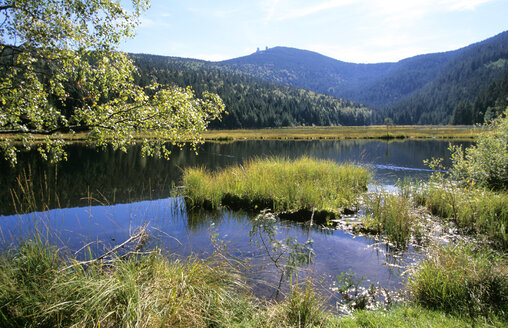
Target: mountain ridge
pixel 391 88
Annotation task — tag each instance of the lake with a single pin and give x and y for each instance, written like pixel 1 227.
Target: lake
pixel 100 197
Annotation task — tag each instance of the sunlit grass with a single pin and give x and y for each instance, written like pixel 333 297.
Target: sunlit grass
pixel 37 289
pixel 474 210
pixel 316 132
pixel 279 184
pixel 345 132
pixel 458 279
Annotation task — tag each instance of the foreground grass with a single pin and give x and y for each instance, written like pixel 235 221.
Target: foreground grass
pixel 278 184
pixel 412 316
pixel 39 289
pixel 462 280
pixel 41 286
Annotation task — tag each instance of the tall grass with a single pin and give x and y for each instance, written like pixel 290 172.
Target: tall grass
pixel 474 210
pixel 302 308
pixel 278 184
pixel 391 215
pixel 37 289
pixel 460 280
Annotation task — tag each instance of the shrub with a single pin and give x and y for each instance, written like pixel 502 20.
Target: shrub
pixel 486 163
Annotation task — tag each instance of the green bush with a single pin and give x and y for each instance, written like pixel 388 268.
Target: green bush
pixel 486 163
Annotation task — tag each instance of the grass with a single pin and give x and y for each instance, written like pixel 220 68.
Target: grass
pixel 279 184
pixel 392 215
pixel 38 290
pixel 411 316
pixel 458 279
pixel 345 132
pixel 474 210
pixel 318 132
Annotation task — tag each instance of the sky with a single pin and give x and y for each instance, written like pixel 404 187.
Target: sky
pixel 359 31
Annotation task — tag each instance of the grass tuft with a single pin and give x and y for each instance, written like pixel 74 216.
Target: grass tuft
pixel 36 290
pixel 462 281
pixel 278 184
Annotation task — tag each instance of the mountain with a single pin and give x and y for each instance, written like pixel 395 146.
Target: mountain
pixel 465 77
pixel 421 89
pixel 307 69
pixel 251 102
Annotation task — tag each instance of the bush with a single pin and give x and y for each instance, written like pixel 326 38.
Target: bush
pixel 486 163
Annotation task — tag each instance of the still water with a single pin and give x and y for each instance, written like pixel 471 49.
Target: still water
pixel 100 197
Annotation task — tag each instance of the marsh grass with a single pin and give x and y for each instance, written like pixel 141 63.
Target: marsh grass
pixel 279 184
pixel 460 280
pixel 393 215
pixel 38 289
pixel 474 210
pixel 345 132
pixel 302 308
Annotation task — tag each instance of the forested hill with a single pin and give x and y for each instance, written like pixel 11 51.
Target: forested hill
pixel 421 89
pixel 470 73
pixel 251 102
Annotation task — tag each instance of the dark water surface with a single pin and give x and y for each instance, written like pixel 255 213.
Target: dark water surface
pixel 103 196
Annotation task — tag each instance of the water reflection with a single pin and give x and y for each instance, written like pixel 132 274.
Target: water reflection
pixel 181 233
pixel 111 177
pixel 100 197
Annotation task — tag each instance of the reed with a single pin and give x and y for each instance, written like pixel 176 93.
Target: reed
pixel 392 215
pixel 279 184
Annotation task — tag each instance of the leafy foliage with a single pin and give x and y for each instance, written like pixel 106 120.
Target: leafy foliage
pixel 486 163
pixel 59 72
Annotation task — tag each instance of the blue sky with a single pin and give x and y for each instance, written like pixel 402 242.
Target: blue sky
pixel 361 31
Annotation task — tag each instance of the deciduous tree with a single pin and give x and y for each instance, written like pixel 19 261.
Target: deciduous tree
pixel 60 72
